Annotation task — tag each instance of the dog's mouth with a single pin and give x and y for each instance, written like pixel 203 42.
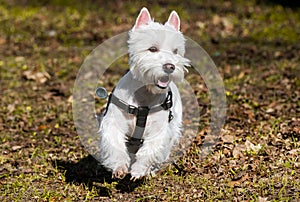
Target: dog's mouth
pixel 163 82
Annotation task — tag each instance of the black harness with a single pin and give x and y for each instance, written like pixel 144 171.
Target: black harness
pixel 135 140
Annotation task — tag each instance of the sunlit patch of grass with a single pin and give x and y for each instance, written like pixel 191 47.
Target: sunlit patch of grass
pixel 276 25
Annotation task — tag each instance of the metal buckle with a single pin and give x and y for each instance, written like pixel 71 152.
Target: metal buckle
pixel 167 105
pixel 168 102
pixel 170 116
pixel 132 109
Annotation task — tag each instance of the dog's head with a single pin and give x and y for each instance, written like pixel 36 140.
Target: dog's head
pixel 156 51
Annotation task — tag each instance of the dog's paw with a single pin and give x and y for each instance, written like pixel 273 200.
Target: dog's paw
pixel 138 171
pixel 134 178
pixel 120 172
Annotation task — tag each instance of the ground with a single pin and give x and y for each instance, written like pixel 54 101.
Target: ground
pixel 254 44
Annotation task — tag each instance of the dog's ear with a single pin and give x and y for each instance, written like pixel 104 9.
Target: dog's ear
pixel 174 20
pixel 143 18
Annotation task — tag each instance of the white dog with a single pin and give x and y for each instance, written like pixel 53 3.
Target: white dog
pixel 143 119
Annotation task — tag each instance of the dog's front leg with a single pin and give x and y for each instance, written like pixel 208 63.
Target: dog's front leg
pixel 153 153
pixel 114 154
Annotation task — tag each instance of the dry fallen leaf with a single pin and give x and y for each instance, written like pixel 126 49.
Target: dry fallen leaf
pixel 42 127
pixel 2 41
pixel 241 178
pixel 262 199
pixel 251 147
pixel 228 138
pixel 40 77
pixel 238 151
pixel 16 147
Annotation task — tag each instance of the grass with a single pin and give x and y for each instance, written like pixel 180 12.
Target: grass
pixel 254 45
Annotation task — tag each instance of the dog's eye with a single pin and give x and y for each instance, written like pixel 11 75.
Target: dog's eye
pixel 175 51
pixel 153 49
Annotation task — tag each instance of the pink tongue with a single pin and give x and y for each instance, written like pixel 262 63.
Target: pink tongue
pixel 163 82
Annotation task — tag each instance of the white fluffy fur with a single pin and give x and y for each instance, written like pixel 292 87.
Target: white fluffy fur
pixel 138 88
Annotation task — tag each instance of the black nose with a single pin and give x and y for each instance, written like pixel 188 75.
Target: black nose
pixel 169 68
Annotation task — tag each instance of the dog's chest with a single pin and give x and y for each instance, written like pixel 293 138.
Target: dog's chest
pixel 155 122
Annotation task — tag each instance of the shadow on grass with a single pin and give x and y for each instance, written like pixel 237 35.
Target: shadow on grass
pixel 90 173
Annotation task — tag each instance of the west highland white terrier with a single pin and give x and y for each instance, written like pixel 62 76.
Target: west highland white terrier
pixel 143 117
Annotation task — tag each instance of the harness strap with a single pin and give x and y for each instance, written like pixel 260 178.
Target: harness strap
pixel 141 113
pixel 130 109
